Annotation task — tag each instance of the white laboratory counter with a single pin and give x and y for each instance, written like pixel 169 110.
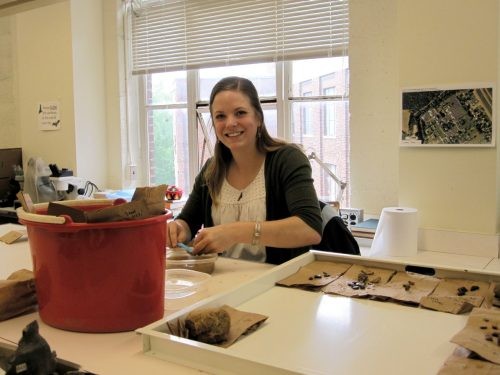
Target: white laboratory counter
pixel 122 353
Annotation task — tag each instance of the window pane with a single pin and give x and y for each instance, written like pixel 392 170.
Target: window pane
pixel 306 118
pixel 166 88
pixel 329 119
pixel 330 188
pixel 206 136
pixel 332 151
pixel 318 108
pixel 168 147
pixel 317 74
pixel 321 126
pixel 263 77
pixel 271 119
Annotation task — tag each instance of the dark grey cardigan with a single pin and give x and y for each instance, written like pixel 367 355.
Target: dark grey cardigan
pixel 289 192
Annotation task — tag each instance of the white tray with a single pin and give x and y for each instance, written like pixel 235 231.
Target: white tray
pixel 315 333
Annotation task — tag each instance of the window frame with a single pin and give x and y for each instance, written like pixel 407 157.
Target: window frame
pixel 283 103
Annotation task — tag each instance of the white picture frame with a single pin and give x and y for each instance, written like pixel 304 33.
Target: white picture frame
pixel 447 116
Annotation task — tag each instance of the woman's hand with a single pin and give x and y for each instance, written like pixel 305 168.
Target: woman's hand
pixel 177 231
pixel 287 233
pixel 214 239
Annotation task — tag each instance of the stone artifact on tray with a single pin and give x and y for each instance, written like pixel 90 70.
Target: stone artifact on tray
pixel 315 275
pixel 359 281
pixel 456 296
pixel 219 326
pixel 209 325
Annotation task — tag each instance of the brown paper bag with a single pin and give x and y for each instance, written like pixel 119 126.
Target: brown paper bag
pixel 467 366
pixel 12 236
pixel 154 198
pixel 481 334
pixel 242 323
pixel 126 211
pixel 146 202
pixel 57 209
pixel 446 296
pixel 359 281
pixel 491 301
pixel 406 287
pixel 315 274
pixel 17 294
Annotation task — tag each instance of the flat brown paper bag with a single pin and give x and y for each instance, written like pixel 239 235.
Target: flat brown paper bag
pixel 480 334
pixel 445 297
pixel 242 323
pixel 406 287
pixel 468 366
pixel 374 276
pixel 12 236
pixel 153 196
pixel 146 202
pixel 57 209
pixel 464 362
pixel 127 211
pixel 490 300
pixel 17 294
pixel 315 274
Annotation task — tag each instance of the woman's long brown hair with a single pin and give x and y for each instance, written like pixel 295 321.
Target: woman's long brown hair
pixel 219 163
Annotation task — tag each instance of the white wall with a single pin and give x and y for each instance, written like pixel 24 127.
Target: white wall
pixel 374 66
pixel 406 43
pixel 89 90
pixel 454 189
pixel 9 130
pixel 59 49
pixel 43 45
pixel 116 118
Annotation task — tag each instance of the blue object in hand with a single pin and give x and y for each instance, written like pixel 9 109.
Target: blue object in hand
pixel 189 249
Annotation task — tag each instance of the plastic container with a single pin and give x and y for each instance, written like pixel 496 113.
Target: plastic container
pixel 180 259
pixel 97 277
pixel 182 283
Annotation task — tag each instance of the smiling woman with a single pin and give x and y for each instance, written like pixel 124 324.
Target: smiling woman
pixel 256 194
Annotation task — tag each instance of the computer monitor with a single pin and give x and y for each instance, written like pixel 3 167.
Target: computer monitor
pixel 9 157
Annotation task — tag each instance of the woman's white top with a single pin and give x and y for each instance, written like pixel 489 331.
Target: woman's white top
pixel 248 204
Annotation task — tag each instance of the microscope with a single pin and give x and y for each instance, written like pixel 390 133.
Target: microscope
pixel 64 182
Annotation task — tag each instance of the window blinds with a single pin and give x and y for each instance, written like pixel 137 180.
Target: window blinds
pixel 168 35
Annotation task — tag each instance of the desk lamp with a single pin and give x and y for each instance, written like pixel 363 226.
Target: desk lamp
pixel 312 156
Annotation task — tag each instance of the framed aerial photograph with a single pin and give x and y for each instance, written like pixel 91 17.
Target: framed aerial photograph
pixel 448 117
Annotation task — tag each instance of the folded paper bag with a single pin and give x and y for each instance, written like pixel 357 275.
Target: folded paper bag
pixel 240 323
pixel 146 202
pixel 17 294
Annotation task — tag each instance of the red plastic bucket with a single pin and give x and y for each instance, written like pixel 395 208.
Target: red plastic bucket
pixel 97 277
